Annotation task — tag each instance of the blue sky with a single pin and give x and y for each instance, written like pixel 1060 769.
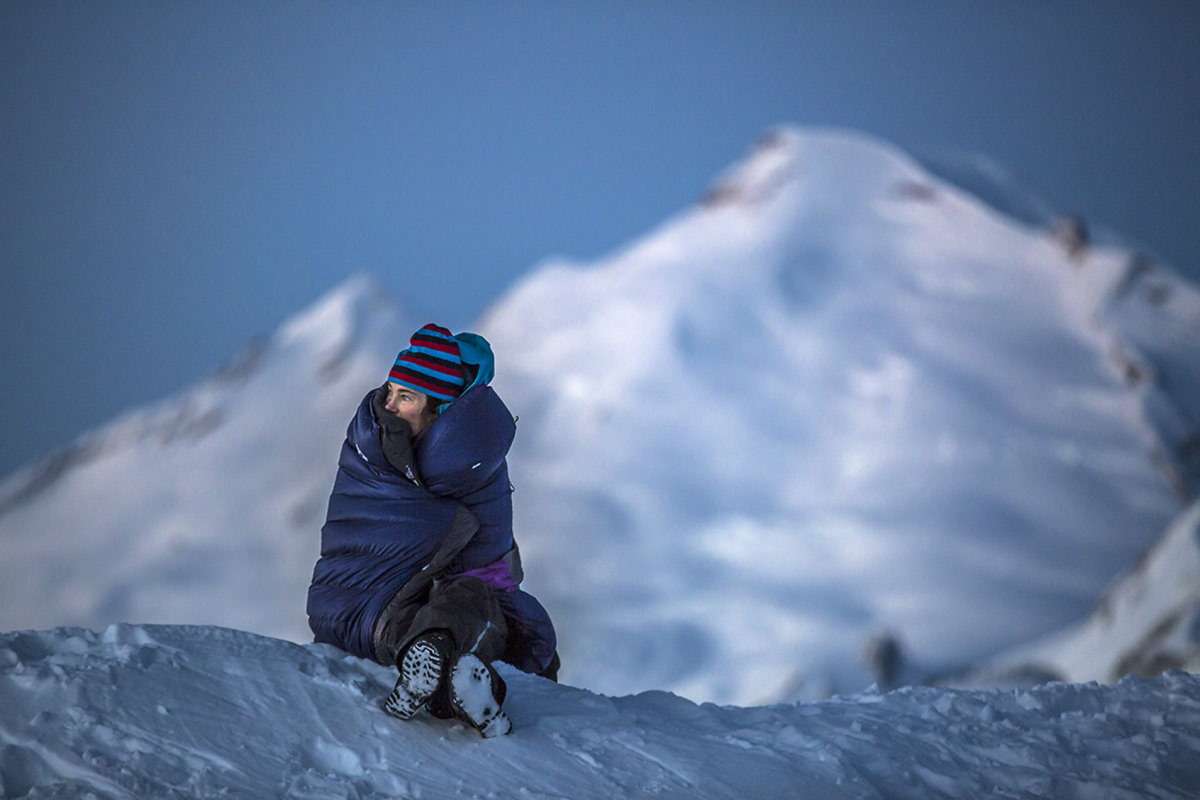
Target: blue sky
pixel 179 177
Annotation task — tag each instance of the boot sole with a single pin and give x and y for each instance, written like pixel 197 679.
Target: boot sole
pixel 472 697
pixel 420 672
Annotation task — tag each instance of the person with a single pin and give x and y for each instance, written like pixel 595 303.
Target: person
pixel 419 568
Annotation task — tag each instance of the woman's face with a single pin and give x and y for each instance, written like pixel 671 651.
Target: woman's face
pixel 411 406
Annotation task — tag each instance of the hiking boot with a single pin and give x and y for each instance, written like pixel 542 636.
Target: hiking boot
pixel 422 669
pixel 477 693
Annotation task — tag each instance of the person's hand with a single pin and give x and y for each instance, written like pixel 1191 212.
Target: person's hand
pixel 394 425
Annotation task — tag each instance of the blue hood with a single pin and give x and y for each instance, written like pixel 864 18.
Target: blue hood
pixel 475 350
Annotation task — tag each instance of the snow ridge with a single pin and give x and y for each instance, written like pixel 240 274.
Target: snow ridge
pixel 191 711
pixel 1146 622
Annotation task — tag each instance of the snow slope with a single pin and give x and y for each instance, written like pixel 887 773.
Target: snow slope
pixel 1147 622
pixel 188 711
pixel 837 395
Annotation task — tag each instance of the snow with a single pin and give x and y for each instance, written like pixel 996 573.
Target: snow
pixel 195 711
pixel 1147 621
pixel 837 396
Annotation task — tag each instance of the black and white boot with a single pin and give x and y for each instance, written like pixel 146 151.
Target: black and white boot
pixel 421 671
pixel 477 695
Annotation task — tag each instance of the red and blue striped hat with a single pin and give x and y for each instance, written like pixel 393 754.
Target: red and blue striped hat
pixel 432 364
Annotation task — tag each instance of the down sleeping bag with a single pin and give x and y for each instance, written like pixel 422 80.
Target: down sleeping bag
pixel 382 529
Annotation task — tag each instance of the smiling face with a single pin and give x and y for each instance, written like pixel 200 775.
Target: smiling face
pixel 412 406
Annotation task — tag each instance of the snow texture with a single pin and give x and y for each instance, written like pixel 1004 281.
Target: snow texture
pixel 837 396
pixel 192 711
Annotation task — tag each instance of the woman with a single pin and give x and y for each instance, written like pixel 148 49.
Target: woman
pixel 418 567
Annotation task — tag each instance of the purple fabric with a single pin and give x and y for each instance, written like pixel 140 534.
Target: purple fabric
pixel 495 574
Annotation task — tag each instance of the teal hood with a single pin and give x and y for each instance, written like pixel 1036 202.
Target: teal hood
pixel 476 350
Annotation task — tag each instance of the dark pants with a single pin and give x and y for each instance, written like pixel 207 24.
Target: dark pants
pixel 464 607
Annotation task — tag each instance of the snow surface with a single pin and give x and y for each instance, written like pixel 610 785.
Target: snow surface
pixel 837 396
pixel 190 711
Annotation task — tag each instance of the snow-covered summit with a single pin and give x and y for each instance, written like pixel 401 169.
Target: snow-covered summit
pixel 337 323
pixel 189 711
pixel 846 162
pixel 838 395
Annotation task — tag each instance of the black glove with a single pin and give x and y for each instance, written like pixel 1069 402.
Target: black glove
pixel 395 437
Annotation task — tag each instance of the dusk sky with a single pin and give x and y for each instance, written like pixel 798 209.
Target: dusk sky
pixel 180 177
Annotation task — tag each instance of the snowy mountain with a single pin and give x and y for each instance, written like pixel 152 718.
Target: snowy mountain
pixel 188 711
pixel 839 395
pixel 207 506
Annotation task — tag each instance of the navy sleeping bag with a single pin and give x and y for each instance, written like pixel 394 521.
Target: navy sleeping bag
pixel 381 529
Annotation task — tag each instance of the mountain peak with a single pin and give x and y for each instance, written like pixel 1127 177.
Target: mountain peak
pixel 337 314
pixel 837 366
pixel 822 160
pixel 770 163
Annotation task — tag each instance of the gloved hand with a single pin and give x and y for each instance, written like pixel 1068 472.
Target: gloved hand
pixel 395 437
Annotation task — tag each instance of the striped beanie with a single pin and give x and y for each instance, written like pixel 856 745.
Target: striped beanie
pixel 431 364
